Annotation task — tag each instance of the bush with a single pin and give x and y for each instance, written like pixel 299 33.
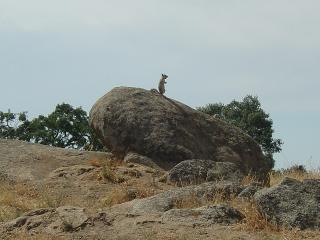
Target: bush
pixel 251 118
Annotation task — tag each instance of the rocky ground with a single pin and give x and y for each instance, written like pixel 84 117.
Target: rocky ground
pixel 52 193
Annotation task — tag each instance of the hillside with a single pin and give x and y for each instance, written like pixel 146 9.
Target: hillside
pixel 52 193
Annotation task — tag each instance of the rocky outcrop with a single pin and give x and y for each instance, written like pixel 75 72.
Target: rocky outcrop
pixel 197 171
pixel 291 204
pixel 167 131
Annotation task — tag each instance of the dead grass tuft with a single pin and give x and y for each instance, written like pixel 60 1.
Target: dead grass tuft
pixel 127 192
pixel 26 236
pixel 192 201
pixel 277 176
pixel 95 162
pixel 254 220
pixel 108 174
pixel 16 199
pixel 116 196
pixel 249 179
pixel 108 169
pixel 51 199
pixel 19 198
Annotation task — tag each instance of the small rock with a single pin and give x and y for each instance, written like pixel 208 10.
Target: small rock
pixel 72 217
pixel 197 171
pixel 132 157
pixel 249 191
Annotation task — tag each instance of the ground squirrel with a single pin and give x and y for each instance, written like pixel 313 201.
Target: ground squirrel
pixel 162 82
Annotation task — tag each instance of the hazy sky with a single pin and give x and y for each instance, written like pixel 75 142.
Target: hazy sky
pixel 74 51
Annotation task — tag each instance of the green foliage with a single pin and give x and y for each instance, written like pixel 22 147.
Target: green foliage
pixel 8 123
pixel 66 127
pixel 250 117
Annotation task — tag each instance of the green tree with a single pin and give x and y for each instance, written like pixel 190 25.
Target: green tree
pixel 65 127
pixel 250 117
pixel 8 123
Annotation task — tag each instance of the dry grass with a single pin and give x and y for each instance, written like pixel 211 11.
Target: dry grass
pixel 194 201
pixel 254 221
pixel 48 198
pixel 116 196
pixel 249 179
pixel 126 192
pixel 26 236
pixel 16 199
pixel 108 168
pixel 277 176
pixel 108 174
pixel 95 162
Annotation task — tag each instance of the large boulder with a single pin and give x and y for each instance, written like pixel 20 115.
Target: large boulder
pixel 291 204
pixel 167 131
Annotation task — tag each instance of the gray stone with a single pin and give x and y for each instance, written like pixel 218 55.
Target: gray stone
pixel 249 191
pixel 197 171
pixel 206 215
pixel 73 217
pixel 291 204
pixel 29 220
pixel 199 194
pixel 167 131
pixel 132 157
pixel 53 221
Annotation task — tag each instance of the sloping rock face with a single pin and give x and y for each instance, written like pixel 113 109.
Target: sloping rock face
pixel 66 219
pixel 291 204
pixel 133 119
pixel 21 160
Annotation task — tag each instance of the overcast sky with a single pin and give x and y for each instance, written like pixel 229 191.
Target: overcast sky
pixel 74 51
